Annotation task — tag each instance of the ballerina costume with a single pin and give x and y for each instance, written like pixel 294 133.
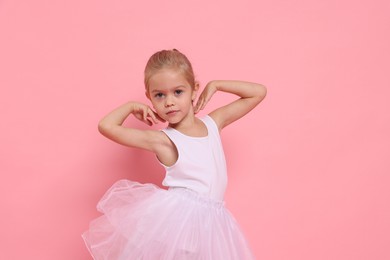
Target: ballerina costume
pixel 186 221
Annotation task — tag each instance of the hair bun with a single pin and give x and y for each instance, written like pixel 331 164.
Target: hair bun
pixel 171 59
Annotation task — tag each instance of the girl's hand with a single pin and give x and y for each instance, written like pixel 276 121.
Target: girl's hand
pixel 205 96
pixel 111 126
pixel 145 114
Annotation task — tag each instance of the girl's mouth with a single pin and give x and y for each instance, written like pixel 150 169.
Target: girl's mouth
pixel 172 112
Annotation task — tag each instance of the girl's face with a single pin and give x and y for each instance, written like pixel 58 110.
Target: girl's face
pixel 171 95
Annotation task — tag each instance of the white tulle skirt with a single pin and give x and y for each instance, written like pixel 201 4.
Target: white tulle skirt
pixel 143 221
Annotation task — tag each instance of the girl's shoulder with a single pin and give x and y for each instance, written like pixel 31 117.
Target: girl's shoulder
pixel 211 120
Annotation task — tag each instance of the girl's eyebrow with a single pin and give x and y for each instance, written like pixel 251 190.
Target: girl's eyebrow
pixel 180 86
pixel 174 88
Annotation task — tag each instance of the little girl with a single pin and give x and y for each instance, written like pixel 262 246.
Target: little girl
pixel 189 220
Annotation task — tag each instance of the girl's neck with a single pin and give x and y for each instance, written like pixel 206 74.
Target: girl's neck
pixel 187 122
pixel 191 126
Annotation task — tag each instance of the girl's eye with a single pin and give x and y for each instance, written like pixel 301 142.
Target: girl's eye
pixel 159 95
pixel 178 92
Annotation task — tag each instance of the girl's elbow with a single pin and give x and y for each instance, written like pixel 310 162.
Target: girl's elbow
pixel 262 92
pixel 104 128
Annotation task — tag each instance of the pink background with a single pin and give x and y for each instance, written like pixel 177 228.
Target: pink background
pixel 309 168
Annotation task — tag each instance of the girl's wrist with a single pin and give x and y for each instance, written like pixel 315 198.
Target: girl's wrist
pixel 215 84
pixel 132 106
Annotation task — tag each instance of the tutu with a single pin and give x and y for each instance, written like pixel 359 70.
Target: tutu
pixel 143 221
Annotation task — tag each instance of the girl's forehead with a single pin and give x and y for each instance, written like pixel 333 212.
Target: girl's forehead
pixel 168 73
pixel 167 79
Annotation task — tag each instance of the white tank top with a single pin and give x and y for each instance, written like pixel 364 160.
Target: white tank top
pixel 201 164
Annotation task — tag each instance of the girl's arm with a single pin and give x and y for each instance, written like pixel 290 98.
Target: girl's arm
pixel 251 94
pixel 111 126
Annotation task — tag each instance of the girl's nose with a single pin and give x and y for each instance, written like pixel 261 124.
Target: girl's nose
pixel 169 102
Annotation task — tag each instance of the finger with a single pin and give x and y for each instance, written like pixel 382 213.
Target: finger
pixel 196 109
pixel 152 115
pixel 157 117
pixel 204 104
pixel 160 118
pixel 145 114
pixel 149 122
pixel 198 105
pixel 201 104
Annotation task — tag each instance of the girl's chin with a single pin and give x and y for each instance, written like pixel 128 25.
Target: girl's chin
pixel 173 120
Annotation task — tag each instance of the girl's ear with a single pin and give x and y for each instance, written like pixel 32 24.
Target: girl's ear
pixel 147 94
pixel 196 88
pixel 195 91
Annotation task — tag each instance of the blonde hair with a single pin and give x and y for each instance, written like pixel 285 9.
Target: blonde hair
pixel 169 59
